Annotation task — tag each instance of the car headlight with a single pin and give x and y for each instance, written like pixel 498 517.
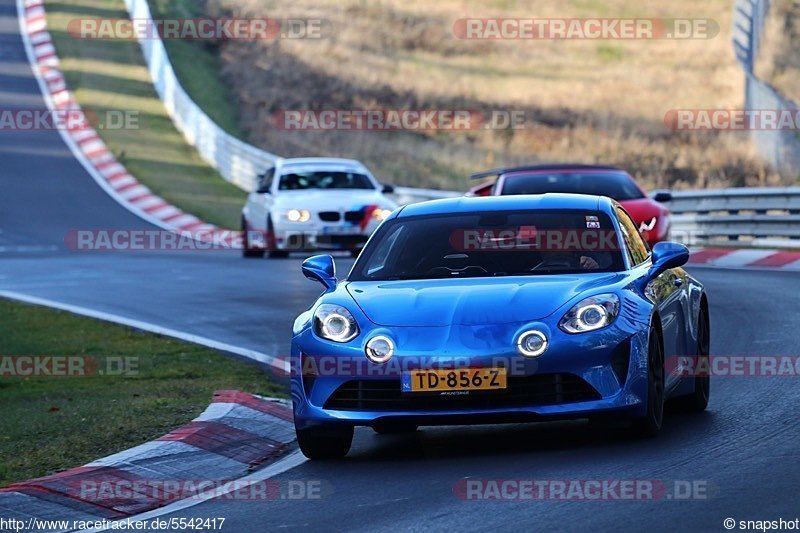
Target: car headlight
pixel 532 343
pixel 335 323
pixel 379 349
pixel 298 215
pixel 591 314
pixel 381 214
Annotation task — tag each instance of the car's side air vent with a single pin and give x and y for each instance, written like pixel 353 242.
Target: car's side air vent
pixel 621 360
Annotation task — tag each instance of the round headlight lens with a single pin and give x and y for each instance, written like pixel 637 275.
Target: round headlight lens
pixel 381 214
pixel 591 314
pixel 334 323
pixel 298 215
pixel 532 343
pixel 379 349
pixel 335 326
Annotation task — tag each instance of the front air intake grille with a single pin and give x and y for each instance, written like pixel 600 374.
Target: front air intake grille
pixel 354 216
pixel 522 391
pixel 330 216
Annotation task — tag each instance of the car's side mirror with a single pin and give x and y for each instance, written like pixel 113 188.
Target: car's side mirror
pixel 264 181
pixel 662 197
pixel 388 189
pixel 263 186
pixel 321 268
pixel 667 255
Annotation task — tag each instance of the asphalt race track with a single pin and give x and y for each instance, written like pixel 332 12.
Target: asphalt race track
pixel 744 449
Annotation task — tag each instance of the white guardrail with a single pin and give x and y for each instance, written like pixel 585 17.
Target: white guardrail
pixel 746 216
pixel 698 216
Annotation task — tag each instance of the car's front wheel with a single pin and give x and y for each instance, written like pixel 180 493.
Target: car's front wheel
pixel 649 425
pixel 272 242
pixel 321 442
pixel 247 247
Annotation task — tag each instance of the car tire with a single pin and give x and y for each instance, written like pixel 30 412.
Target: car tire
pixel 650 424
pixel 272 247
pixel 322 442
pixel 247 251
pixel 394 428
pixel 697 401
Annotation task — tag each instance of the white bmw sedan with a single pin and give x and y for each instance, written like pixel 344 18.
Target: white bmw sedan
pixel 313 204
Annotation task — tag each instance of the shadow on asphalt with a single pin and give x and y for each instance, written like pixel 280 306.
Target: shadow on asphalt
pixel 531 438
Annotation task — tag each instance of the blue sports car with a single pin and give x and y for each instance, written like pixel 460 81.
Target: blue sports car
pixel 498 309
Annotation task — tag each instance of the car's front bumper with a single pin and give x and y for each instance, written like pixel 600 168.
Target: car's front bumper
pixel 320 236
pixel 579 376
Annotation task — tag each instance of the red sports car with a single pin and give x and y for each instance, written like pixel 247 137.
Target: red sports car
pixel 651 216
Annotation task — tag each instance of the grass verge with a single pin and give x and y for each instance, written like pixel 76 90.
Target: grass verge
pixel 110 75
pixel 64 422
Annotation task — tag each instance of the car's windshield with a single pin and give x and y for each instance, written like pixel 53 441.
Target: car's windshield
pixel 297 181
pixel 491 244
pixel 616 185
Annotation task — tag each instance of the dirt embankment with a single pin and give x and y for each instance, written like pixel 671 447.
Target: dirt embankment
pixel 585 101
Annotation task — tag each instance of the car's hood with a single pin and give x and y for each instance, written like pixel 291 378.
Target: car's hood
pixel 332 200
pixel 470 301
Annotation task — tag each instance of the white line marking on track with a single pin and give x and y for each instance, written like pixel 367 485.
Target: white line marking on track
pixel 152 328
pixel 28 248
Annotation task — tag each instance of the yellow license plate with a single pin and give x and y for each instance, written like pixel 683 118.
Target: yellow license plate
pixel 464 379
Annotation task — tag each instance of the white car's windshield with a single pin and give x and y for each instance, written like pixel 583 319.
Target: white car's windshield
pixel 298 181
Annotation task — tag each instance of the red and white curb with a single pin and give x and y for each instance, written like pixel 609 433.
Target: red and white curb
pixel 236 434
pixel 746 258
pixel 86 144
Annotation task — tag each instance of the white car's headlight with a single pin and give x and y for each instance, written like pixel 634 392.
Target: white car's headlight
pixel 381 214
pixel 335 323
pixel 591 314
pixel 298 215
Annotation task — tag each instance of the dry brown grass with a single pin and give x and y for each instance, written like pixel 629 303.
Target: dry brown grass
pixel 587 101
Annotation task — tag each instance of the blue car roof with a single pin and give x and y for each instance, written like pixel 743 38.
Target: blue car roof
pixel 522 202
